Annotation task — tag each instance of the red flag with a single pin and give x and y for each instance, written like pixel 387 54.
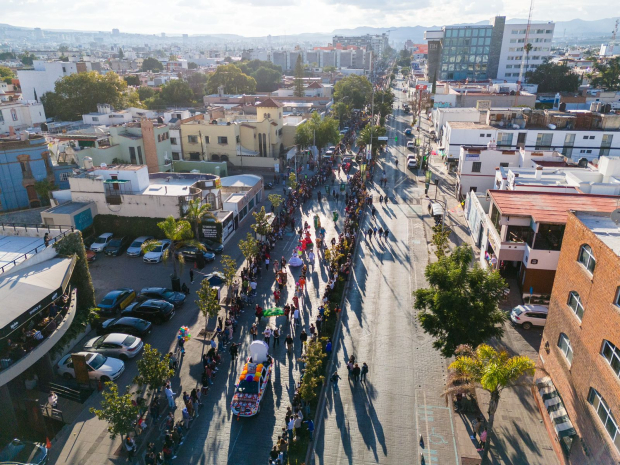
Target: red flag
pixel 48 444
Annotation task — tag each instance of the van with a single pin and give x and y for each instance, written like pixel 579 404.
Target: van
pixel 527 316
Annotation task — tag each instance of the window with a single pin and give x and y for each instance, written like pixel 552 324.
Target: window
pixel 504 165
pixel 504 139
pixel 140 161
pixel 481 135
pixel 1 117
pixel 207 140
pixel 476 166
pixel 586 258
pixel 14 114
pixel 194 156
pixel 173 140
pixel 95 118
pixel 611 353
pixel 63 176
pixel 574 302
pixel 192 139
pixel 132 155
pixel 222 140
pixel 176 156
pixel 604 413
pixel 543 141
pixel 565 348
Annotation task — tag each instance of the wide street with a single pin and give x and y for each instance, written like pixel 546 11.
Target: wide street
pixel 381 421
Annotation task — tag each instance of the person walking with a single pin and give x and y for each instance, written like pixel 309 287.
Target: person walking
pixel 289 342
pixel 356 373
pixel 369 234
pixel 130 446
pixel 170 396
pixel 296 317
pixel 310 425
pixel 328 348
pixel 191 276
pixel 258 313
pixel 373 211
pixel 334 379
pixel 233 350
pixel 289 428
pixel 318 195
pixel 483 440
pixel 303 337
pixel 267 263
pixel 267 335
pixel 276 336
pixel 364 371
pixel 386 232
pixel 254 331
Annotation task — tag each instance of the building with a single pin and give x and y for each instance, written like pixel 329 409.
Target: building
pixel 241 195
pixel 24 160
pixel 522 233
pixel 483 96
pixel 482 52
pixel 106 116
pixel 36 82
pixel 20 115
pixel 579 135
pixel 579 389
pixel 377 43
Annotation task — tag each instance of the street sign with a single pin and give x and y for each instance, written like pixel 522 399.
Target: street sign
pixel 382 138
pixel 421 87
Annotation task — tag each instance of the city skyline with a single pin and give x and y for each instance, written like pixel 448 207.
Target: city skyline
pixel 261 20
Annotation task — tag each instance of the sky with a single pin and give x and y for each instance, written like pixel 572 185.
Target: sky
pixel 277 17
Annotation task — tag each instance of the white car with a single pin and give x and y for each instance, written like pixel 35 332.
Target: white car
pixel 527 316
pixel 412 163
pixel 101 242
pixel 157 254
pixel 411 145
pixel 122 346
pixel 99 367
pixel 135 249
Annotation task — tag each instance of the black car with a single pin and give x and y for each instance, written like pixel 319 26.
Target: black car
pixel 156 311
pixel 116 247
pixel 190 254
pixel 213 246
pixel 24 452
pixel 126 325
pixel 161 293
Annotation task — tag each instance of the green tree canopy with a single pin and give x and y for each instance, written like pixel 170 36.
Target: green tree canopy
pixel 383 101
pixel 249 247
pixel 262 226
pixel 7 56
pixel 321 130
pixel 152 64
pixel 329 69
pixel 404 58
pixel 460 306
pixel 372 133
pixel 79 93
pixel 6 74
pixel 342 112
pixel 250 67
pixel 132 80
pixel 304 135
pixel 198 83
pixel 145 93
pixel 192 65
pixel 233 80
pixel 196 211
pixel 553 77
pixel 27 58
pixel 267 79
pixel 153 369
pixel 299 77
pixel 607 75
pixel 118 410
pixel 276 200
pixel 208 301
pixel 353 90
pixel 177 92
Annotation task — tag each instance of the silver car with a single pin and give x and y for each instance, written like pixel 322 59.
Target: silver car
pixel 135 249
pixel 122 346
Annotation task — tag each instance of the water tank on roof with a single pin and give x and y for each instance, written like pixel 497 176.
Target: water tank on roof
pixel 551 126
pixel 104 165
pixel 595 106
pixel 88 163
pixel 606 108
pixel 563 106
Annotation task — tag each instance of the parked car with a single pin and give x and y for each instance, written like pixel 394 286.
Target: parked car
pixel 213 246
pixel 161 293
pixel 91 256
pixel 19 452
pixel 408 132
pixel 411 145
pixel 126 325
pixel 118 345
pixel 191 253
pixel 99 366
pixel 157 254
pixel 412 163
pixel 101 242
pixel 135 249
pixel 115 247
pixel 527 316
pixel 117 300
pixel 155 311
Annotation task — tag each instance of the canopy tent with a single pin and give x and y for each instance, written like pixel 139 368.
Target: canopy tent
pixel 28 291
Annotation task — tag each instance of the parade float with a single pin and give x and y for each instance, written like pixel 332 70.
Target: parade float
pixel 253 381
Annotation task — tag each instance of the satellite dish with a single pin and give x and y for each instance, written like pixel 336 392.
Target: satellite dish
pixel 615 216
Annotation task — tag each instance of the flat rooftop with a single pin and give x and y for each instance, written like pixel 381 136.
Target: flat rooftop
pixel 605 229
pixel 174 187
pixel 545 207
pixel 67 208
pixel 12 247
pixel 469 125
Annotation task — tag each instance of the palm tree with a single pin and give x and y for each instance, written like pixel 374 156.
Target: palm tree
pixel 489 369
pixel 196 211
pixel 179 232
pixel 527 48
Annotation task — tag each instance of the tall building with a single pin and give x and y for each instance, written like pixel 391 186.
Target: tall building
pixel 482 52
pixel 579 385
pixel 375 43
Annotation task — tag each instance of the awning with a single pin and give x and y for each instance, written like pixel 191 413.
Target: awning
pixel 557 413
pixel 28 291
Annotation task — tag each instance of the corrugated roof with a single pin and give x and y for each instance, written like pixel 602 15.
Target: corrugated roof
pixel 269 103
pixel 548 207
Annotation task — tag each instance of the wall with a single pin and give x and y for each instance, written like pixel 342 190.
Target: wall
pixel 208 167
pixel 28 115
pixel 485 179
pixel 601 320
pixel 35 83
pixel 541 281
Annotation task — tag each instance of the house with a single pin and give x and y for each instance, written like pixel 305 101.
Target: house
pixel 20 115
pixel 107 116
pixel 36 82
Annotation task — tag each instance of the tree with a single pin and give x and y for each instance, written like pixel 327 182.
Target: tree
pixel 292 181
pixel 314 368
pixel 371 134
pixel 7 56
pixel 153 369
pixel 179 232
pixel 197 83
pixel 460 306
pixel 208 301
pixel 63 58
pixel 229 268
pixel 383 101
pixel 440 240
pixel 145 93
pixel 354 90
pixel 228 60
pixel 6 74
pixel 329 69
pixel 552 77
pixel 607 75
pixel 491 370
pixel 267 79
pixel 276 200
pixel 27 58
pixel 43 189
pixel 152 64
pixel 173 57
pixel 132 80
pixel 196 211
pixel 320 130
pixel 79 93
pixel 342 112
pixel 118 410
pixel 405 71
pixel 177 93
pixel 299 77
pixel 249 247
pixel 304 136
pixel 527 48
pixel 192 65
pixel 262 227
pixel 233 80
pixel 404 58
pixel 121 54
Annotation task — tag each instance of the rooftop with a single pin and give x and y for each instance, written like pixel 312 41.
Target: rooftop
pixel 241 180
pixel 544 207
pixel 269 103
pixel 66 208
pixel 603 227
pixel 13 247
pixel 469 125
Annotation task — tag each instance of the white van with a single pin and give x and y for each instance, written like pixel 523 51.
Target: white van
pixel 527 316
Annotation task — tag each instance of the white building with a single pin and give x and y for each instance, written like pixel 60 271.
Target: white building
pixel 512 53
pixel 20 115
pixel 107 116
pixel 36 82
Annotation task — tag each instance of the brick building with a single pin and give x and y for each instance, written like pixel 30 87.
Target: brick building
pixel 579 387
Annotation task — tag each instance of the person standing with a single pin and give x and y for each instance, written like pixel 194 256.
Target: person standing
pixel 334 379
pixel 233 350
pixel 267 334
pixel 310 425
pixel 267 263
pixel 364 371
pixel 356 373
pixel 369 234
pixel 303 337
pixel 170 396
pixel 296 317
pixel 483 440
pixel 130 446
pixel 276 336
pixel 254 331
pixel 191 276
pixel 328 347
pixel 289 428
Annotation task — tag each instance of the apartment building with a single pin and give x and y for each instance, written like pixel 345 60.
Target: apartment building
pixel 483 52
pixel 20 115
pixel 376 43
pixel 579 386
pixel 36 82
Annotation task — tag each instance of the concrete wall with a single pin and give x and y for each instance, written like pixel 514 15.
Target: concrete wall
pixel 208 167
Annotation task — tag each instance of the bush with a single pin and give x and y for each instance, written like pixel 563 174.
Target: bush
pixel 130 227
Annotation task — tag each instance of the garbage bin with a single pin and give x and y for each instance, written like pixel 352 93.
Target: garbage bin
pixel 176 283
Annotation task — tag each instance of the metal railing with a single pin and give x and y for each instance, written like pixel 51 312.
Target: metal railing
pixel 64 230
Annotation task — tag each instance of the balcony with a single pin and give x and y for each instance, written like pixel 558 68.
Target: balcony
pixel 62 322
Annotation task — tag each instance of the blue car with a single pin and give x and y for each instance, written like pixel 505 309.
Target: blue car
pixel 408 132
pixel 115 301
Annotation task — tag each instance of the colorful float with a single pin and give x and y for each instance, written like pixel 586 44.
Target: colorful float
pixel 252 382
